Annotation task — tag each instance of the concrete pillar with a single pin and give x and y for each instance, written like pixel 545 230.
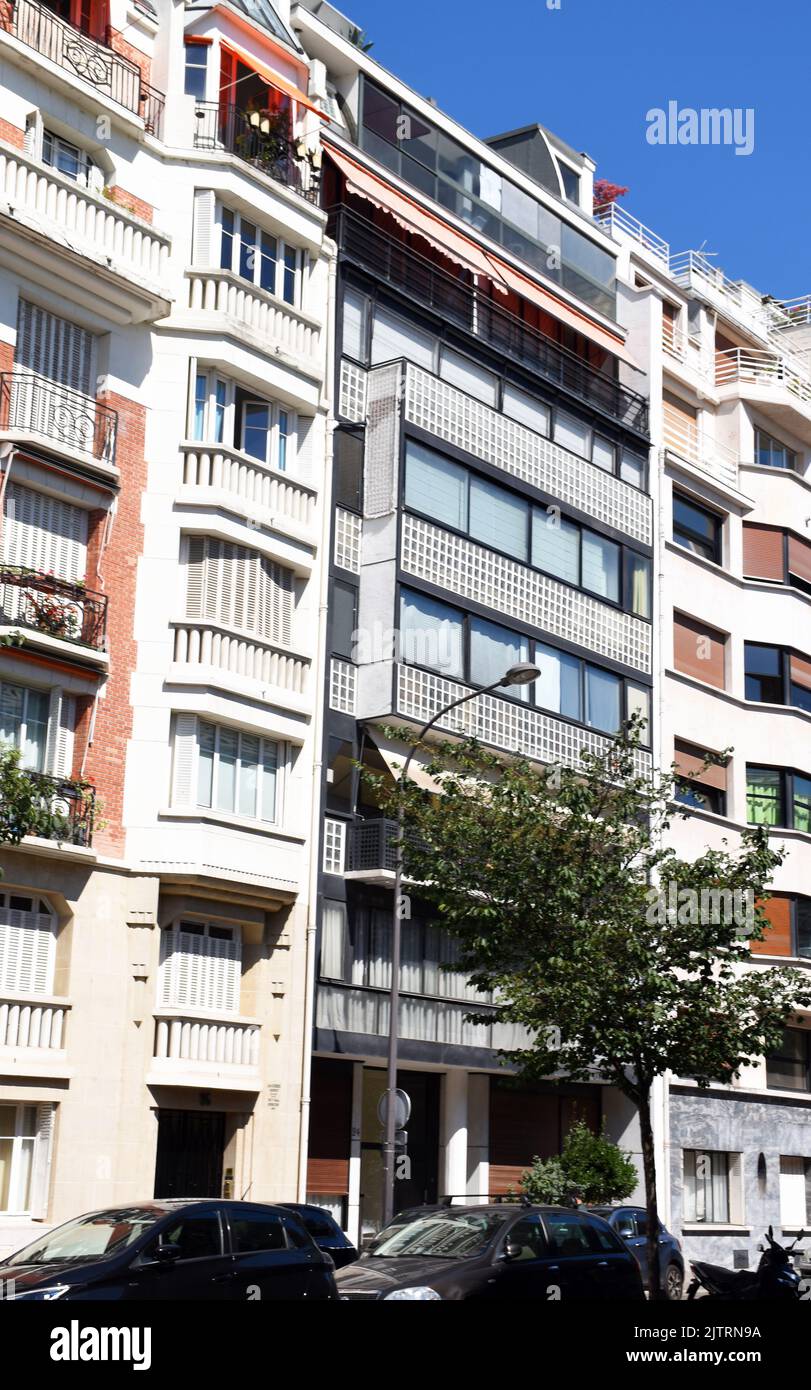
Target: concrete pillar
pixel 453 1133
pixel 478 1136
pixel 353 1200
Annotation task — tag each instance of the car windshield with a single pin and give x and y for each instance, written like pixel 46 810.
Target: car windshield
pixel 442 1235
pixel 90 1237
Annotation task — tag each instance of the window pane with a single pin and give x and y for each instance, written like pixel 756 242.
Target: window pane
pixel 354 324
pixel 556 545
pixel 11 714
pixel 571 433
pixel 200 398
pixel 558 687
pixel 497 518
pixel 267 262
pixel 764 796
pixel 603 454
pixel 436 486
pixel 632 469
pixel 394 337
pixel 255 1231
pixel 638 584
pixel 195 85
pixel 802 803
pixel 206 740
pixel 247 250
pixel 227 770
pixel 270 759
pixel 248 774
pixel 227 241
pixel 256 429
pixel 220 398
pixel 431 634
pixel 468 376
pixel 493 650
pixel 519 406
pixel 602 700
pixel 601 566
pixel 36 731
pixel 290 268
pixel 638 702
pixel 284 434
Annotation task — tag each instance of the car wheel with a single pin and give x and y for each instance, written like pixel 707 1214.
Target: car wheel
pixel 674 1281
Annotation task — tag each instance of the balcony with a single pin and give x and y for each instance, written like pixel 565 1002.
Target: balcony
pixel 56 608
pixel 443 1021
pixel 686 439
pixel 215 475
pixel 192 1048
pixel 372 847
pixel 94 64
pixel 104 251
pixel 207 651
pixel 458 301
pixel 32 408
pixel 622 226
pixel 781 386
pixel 32 1034
pixel 694 273
pixel 254 137
pixel 67 808
pixel 252 313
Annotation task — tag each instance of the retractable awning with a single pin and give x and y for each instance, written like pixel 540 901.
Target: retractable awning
pixel 273 78
pixel 394 756
pixel 564 312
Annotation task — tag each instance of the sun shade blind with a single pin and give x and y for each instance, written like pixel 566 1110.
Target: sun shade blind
pixel 54 348
pixel 197 972
pixel 763 552
pixel 236 587
pixel 698 650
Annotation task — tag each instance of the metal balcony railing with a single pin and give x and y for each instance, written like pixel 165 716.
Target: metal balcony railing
pixel 67 810
pixel 254 136
pixel 460 302
pixel 44 603
pixel 32 404
pixel 373 845
pixel 86 58
pixel 616 221
pixel 748 366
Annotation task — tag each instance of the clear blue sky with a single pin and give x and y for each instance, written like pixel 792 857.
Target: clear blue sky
pixel 591 70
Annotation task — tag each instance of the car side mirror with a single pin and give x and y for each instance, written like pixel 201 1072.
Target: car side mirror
pixel 512 1250
pixel 626 1231
pixel 167 1254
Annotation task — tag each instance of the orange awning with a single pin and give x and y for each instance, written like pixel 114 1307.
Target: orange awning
pixel 272 78
pixel 460 248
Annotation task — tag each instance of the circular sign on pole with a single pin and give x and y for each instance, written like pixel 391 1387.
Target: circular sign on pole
pixel 402 1108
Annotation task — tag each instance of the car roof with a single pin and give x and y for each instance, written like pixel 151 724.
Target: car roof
pixel 160 1206
pixel 511 1208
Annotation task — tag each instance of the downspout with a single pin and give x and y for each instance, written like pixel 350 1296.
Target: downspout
pixel 318 740
pixel 105 541
pixel 7 452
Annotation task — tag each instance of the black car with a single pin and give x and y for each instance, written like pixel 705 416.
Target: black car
pixel 173 1250
pixel 631 1224
pixel 506 1251
pixel 326 1232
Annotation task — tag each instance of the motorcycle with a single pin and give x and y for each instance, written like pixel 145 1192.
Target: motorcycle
pixel 775 1277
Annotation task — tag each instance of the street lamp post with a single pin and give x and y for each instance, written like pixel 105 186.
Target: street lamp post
pixel 522 674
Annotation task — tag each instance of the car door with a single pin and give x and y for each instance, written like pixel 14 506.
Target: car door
pixel 524 1267
pixel 274 1257
pixel 203 1268
pixel 570 1254
pixel 614 1272
pixel 628 1227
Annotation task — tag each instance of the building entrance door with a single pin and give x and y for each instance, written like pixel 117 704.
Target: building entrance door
pixel 417 1171
pixel 190 1153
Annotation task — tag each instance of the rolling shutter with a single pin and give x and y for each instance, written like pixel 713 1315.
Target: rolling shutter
pixel 44 533
pixel 799 558
pixel 778 940
pixel 197 972
pixel 763 552
pixel 689 761
pixel 801 672
pixel 698 650
pixel 27 951
pixel 54 348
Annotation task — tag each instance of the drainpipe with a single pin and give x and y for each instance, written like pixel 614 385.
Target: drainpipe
pixel 105 541
pixel 7 455
pixel 318 740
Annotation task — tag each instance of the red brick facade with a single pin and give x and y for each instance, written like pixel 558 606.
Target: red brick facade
pixel 135 205
pixel 12 134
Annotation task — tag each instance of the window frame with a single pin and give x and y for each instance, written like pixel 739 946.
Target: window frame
pixel 805 1062
pixel 787 803
pixel 213 809
pixel 288 259
pixel 785 655
pixel 282 454
pixel 192 45
pixel 40 693
pixel 695 1219
pixel 717 544
pixel 88 173
pixel 791 454
pixel 18 1139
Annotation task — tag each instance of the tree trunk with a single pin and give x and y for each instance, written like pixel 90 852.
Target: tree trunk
pixel 649 1165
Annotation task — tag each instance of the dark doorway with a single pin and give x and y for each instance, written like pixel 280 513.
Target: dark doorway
pixel 418 1179
pixel 190 1153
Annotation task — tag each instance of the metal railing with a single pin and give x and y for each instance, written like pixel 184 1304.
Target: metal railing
pixel 67 810
pixel 33 404
pixel 747 365
pixel 685 438
pixel 44 603
pixel 615 220
pixel 86 58
pixel 373 845
pixel 461 302
pixel 250 135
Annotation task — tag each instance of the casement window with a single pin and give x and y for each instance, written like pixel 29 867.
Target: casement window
pixel 223 413
pixel 196 55
pixel 522 407
pixel 200 966
pixel 777 676
pixel 701 778
pixel 778 797
pixel 707 1186
pixel 795 1192
pixel 770 453
pixel 219 768
pixel 238 588
pixel 699 650
pixel 26 1136
pixel 696 528
pixel 454 496
pixel 44 533
pixel 27 944
pixel 53 347
pixel 343 619
pixel 24 715
pixel 213 397
pixel 71 161
pixel 259 256
pixel 788 1068
pixel 468 376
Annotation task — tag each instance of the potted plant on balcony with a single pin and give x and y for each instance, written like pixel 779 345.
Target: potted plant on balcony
pixel 49 612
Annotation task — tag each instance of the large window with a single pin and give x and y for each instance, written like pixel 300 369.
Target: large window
pixel 259 256
pixel 18 1137
pixel 196 53
pixel 71 161
pixel 778 797
pixel 357 951
pixel 789 1067
pixel 696 528
pixel 795 1193
pixel 706 1186
pixel 494 516
pixel 770 453
pixel 777 676
pixel 463 647
pixel 223 413
pixel 200 966
pixel 222 769
pixel 24 723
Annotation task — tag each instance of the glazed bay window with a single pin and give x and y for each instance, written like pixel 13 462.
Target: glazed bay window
pixel 200 967
pixel 770 453
pixel 24 723
pixel 260 257
pixel 777 676
pixel 706 1187
pixel 453 496
pixel 71 161
pixel 778 797
pixel 788 1068
pixel 696 528
pixel 224 413
pixel 221 769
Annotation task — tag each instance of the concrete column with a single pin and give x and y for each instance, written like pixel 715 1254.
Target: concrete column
pixel 353 1201
pixel 478 1136
pixel 454 1132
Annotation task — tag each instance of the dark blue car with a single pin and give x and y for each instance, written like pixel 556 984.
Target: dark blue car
pixel 631 1224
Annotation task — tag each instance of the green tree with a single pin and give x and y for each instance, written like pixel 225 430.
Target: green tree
pixel 558 884
pixel 26 805
pixel 591 1165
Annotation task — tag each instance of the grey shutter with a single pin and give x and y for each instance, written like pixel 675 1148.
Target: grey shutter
pixel 61 723
pixel 184 750
pixel 43 1150
pixel 54 348
pixel 204 209
pixel 44 533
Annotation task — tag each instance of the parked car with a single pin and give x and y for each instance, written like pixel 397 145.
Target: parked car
pixel 173 1250
pixel 631 1224
pixel 325 1231
pixel 494 1252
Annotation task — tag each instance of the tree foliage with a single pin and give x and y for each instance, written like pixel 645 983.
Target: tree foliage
pixel 26 804
pixel 591 1166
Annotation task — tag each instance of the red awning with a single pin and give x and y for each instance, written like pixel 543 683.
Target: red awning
pixel 564 312
pixel 272 78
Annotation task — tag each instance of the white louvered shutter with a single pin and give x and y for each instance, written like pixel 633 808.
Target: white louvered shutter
pixel 197 972
pixel 278 607
pixel 204 210
pixel 54 348
pixel 61 724
pixel 27 951
pixel 44 533
pixel 184 757
pixel 43 1150
pixel 195 576
pixel 305 447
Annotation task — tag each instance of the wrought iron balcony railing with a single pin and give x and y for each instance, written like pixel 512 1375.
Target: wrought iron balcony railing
pixel 254 137
pixel 95 63
pixel 32 404
pixel 461 303
pixel 67 810
pixel 44 603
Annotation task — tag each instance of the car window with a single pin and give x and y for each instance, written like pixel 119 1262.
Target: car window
pixel 624 1224
pixel 527 1234
pixel 567 1235
pixel 297 1235
pixel 252 1231
pixel 601 1237
pixel 319 1224
pixel 641 1222
pixel 197 1237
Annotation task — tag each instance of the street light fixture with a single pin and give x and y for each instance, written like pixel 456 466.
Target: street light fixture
pixel 523 673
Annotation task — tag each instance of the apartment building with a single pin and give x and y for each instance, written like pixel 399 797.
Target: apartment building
pixel 490 505
pixel 730 378
pixel 164 389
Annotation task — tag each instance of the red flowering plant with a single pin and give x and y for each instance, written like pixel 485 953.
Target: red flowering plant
pixel 50 612
pixel 607 192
